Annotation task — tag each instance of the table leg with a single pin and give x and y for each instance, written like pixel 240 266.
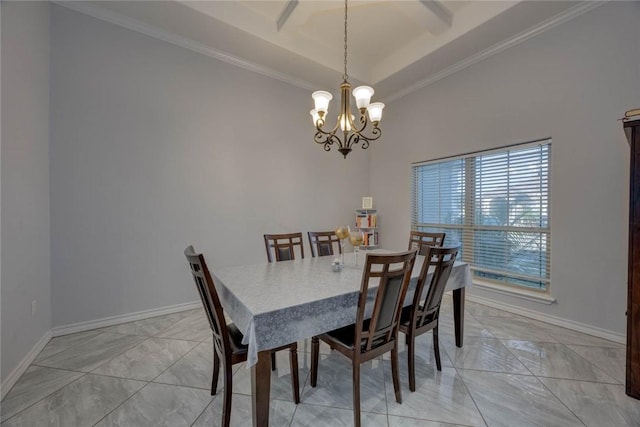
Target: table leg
pixel 260 389
pixel 458 315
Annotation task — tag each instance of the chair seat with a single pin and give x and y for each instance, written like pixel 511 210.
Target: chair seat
pixel 345 336
pixel 405 318
pixel 235 338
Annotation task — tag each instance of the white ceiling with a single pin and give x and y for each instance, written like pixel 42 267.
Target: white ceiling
pixel 395 46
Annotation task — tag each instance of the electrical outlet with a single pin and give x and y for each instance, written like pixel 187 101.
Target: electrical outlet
pixel 33 308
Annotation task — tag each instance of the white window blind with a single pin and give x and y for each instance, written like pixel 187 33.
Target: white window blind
pixel 495 205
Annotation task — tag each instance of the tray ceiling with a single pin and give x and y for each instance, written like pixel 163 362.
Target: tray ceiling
pixel 396 46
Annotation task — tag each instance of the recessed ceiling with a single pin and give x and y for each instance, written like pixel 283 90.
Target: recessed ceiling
pixel 396 46
pixel 383 36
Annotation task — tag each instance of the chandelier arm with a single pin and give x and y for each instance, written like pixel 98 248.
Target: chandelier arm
pixel 363 120
pixel 375 134
pixel 331 132
pixel 327 140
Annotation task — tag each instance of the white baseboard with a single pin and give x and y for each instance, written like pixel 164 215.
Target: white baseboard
pixel 122 318
pixel 17 372
pixel 554 320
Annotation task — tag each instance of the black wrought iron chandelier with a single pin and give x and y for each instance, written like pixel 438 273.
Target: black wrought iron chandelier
pixel 352 130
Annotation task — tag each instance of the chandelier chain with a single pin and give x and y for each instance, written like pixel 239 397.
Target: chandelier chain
pixel 352 129
pixel 345 76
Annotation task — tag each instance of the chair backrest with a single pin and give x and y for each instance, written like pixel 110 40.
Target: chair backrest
pixel 442 260
pixel 423 240
pixel 392 273
pixel 321 243
pixel 283 246
pixel 210 300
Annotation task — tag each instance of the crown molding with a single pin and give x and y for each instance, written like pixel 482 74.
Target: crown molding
pixel 499 47
pixel 187 43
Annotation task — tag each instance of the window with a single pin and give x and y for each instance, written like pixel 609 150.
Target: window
pixel 495 205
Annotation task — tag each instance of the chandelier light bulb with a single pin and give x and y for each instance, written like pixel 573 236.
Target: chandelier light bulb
pixel 363 95
pixel 322 98
pixel 375 111
pixel 315 116
pixel 345 124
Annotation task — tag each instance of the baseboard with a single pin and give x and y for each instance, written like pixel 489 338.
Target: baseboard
pixel 554 320
pixel 123 318
pixel 17 372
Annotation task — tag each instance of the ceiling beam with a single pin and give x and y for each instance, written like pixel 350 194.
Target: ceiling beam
pixel 430 14
pixel 437 8
pixel 286 13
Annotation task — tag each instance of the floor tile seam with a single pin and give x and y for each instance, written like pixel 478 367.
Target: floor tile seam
pixel 305 384
pixel 213 398
pixel 615 346
pixel 457 424
pixel 121 403
pixel 181 339
pixel 45 397
pixel 592 364
pixel 124 350
pixel 66 347
pixel 142 379
pixel 58 369
pixel 518 358
pixel 499 373
pixel 514 355
pixel 118 377
pixel 338 407
pixel 466 387
pixel 174 363
pixel 571 350
pixel 562 402
pixel 495 372
pixel 580 380
pixel 187 386
pixel 294 409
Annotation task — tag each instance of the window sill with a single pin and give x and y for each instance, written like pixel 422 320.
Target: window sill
pixel 513 292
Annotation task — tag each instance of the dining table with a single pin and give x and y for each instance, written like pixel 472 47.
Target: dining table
pixel 274 304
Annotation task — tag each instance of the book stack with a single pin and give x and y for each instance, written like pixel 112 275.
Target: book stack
pixel 366 220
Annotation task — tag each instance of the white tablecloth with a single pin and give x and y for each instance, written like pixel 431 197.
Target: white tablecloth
pixel 274 304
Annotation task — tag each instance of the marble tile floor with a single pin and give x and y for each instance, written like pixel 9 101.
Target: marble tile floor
pixel 512 371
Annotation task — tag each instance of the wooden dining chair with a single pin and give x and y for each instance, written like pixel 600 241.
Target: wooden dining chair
pixel 423 314
pixel 321 243
pixel 371 337
pixel 423 240
pixel 283 246
pixel 227 338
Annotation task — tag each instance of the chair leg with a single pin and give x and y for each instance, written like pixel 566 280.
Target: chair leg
pixel 411 361
pixel 293 360
pixel 356 394
pixel 273 361
pixel 436 348
pixel 315 350
pixel 395 374
pixel 228 391
pixel 216 372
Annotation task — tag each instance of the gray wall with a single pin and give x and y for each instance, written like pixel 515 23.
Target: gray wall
pixel 25 179
pixel 571 83
pixel 155 147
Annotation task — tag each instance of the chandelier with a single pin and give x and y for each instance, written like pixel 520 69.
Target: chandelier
pixel 352 130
